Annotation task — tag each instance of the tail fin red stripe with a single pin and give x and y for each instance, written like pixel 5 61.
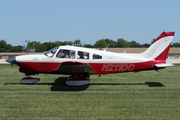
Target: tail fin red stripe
pixel 163 55
pixel 164 34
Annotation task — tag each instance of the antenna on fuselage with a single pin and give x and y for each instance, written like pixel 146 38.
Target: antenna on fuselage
pixel 125 51
pixel 106 47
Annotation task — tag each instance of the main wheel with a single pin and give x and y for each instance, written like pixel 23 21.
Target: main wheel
pixel 29 80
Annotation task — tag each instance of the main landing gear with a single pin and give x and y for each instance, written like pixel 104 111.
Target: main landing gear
pixel 74 80
pixel 78 80
pixel 29 80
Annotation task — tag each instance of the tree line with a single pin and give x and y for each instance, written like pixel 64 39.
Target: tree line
pixel 102 43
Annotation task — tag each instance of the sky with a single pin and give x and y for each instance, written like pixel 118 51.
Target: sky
pixel 87 20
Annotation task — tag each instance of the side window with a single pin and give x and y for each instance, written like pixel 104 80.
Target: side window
pixel 95 56
pixel 63 53
pixel 83 55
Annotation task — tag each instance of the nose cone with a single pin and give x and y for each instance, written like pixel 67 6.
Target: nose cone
pixel 11 60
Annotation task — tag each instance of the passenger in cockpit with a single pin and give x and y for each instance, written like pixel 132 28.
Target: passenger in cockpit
pixel 72 55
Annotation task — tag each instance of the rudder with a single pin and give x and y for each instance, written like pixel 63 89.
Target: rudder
pixel 163 55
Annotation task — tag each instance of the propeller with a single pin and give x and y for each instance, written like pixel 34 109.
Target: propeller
pixel 11 60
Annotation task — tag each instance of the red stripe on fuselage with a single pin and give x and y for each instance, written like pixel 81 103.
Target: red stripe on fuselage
pixel 99 68
pixel 38 67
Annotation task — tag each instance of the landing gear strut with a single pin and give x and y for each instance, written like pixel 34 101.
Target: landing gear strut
pixel 78 80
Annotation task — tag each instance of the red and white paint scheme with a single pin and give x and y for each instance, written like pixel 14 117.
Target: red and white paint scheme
pixel 80 62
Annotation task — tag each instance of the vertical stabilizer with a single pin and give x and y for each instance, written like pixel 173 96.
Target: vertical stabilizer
pixel 160 47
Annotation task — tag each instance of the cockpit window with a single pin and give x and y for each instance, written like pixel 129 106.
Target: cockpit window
pixel 95 56
pixel 51 52
pixel 64 53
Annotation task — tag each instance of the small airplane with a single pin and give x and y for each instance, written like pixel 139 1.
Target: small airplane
pixel 80 62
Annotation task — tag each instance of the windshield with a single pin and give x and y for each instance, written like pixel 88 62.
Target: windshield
pixel 51 52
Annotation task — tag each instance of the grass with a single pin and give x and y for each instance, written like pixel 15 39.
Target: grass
pixel 143 95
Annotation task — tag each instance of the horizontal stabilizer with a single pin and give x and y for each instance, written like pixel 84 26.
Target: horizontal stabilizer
pixel 167 64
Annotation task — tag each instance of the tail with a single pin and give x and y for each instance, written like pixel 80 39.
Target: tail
pixel 160 47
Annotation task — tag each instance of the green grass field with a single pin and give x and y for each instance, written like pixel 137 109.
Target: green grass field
pixel 144 95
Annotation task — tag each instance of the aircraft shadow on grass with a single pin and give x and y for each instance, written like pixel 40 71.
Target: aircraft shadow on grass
pixel 60 85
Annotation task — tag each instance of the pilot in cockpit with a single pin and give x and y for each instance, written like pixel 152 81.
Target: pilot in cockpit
pixel 65 54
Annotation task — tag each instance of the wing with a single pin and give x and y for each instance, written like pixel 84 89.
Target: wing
pixel 71 67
